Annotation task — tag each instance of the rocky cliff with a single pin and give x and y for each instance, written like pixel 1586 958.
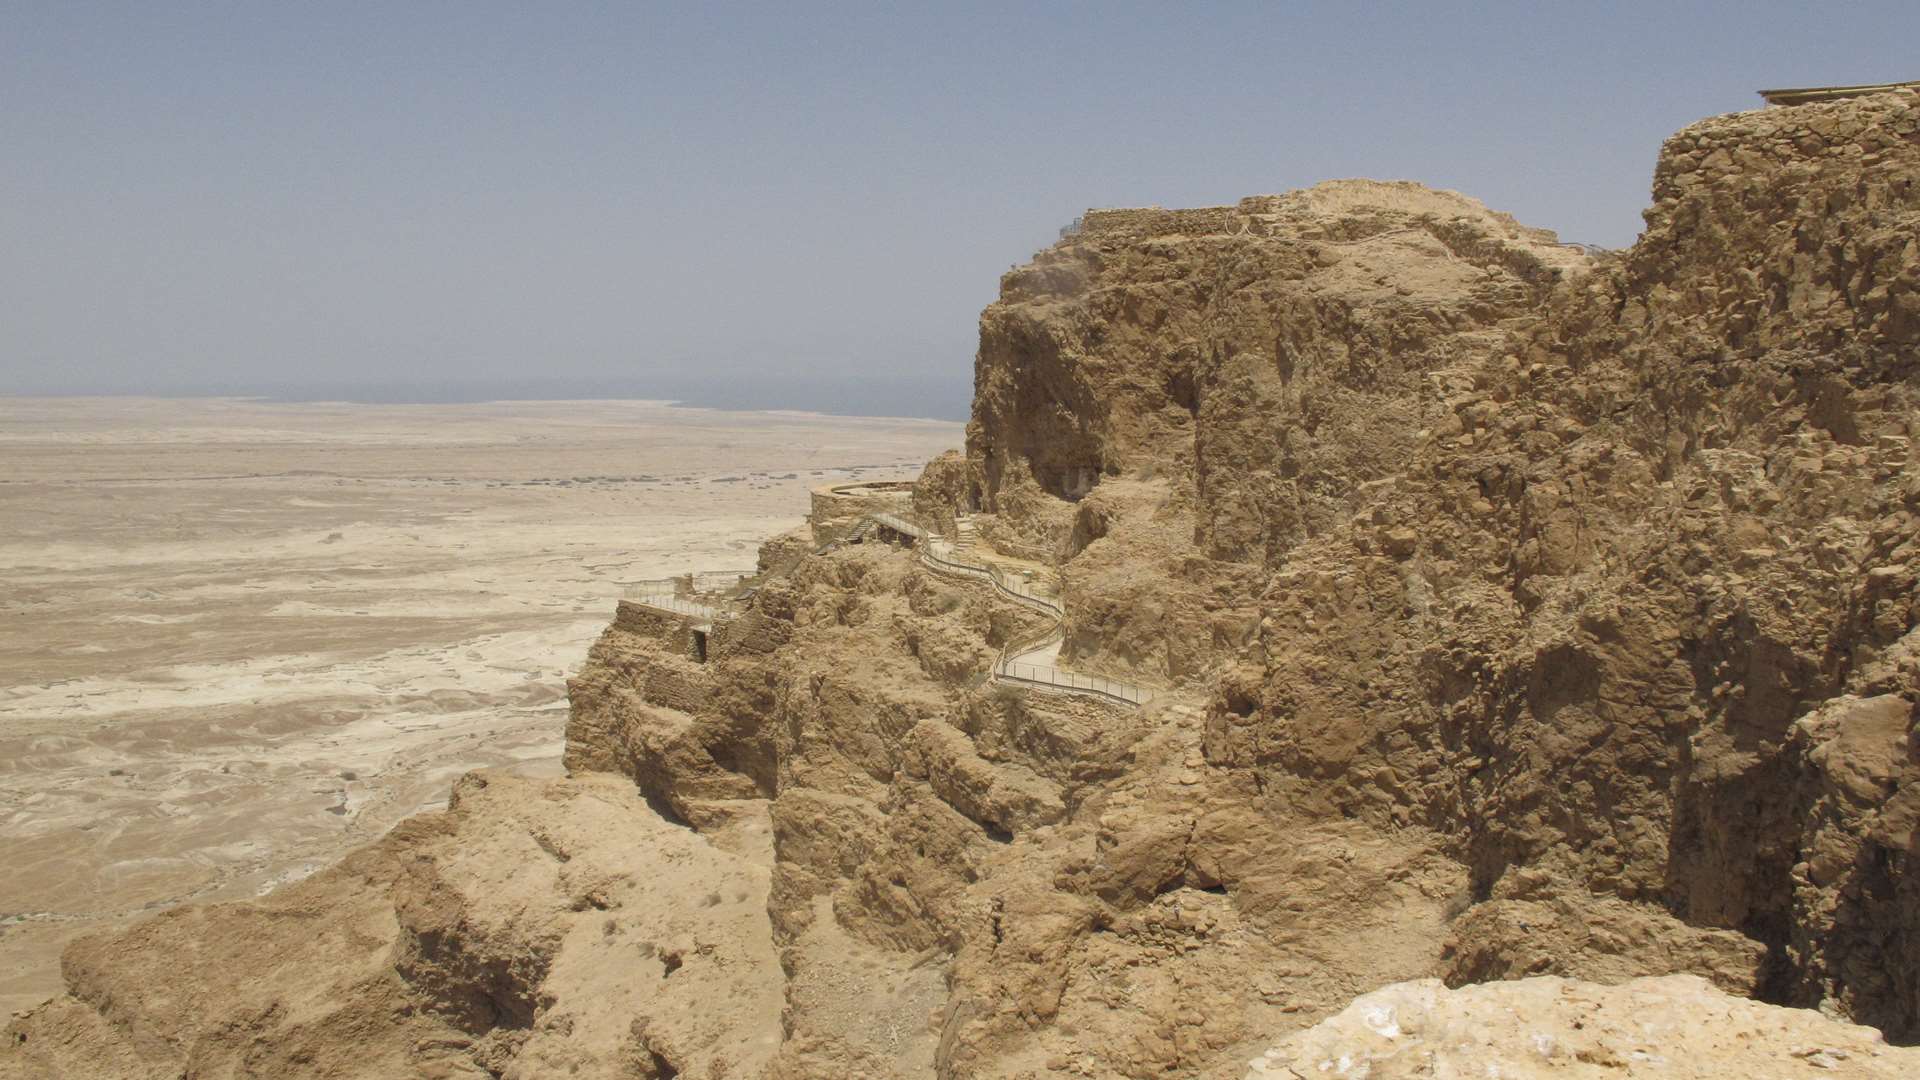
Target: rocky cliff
pixel 1508 609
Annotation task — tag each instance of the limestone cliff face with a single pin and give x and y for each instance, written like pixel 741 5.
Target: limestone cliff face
pixel 1511 609
pixel 1645 595
pixel 1659 590
pixel 1272 353
pixel 1515 609
pixel 1598 570
pixel 1225 384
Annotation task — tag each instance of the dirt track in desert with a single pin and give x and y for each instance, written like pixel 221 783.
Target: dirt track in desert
pixel 241 637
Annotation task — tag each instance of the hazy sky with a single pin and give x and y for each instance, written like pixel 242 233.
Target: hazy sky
pixel 242 194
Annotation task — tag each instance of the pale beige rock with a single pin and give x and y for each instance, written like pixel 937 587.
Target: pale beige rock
pixel 536 928
pixel 1672 1028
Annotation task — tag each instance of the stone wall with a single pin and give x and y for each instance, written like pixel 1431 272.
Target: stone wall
pixel 673 632
pixel 1159 221
pixel 835 511
pixel 1789 225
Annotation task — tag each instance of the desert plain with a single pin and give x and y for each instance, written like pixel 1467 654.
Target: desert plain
pixel 239 637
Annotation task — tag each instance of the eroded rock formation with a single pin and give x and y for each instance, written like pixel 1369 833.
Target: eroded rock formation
pixel 1676 1026
pixel 1512 610
pixel 536 928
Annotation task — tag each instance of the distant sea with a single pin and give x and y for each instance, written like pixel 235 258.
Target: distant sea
pixel 929 398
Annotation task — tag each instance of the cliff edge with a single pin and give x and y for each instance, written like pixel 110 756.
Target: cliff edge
pixel 1486 608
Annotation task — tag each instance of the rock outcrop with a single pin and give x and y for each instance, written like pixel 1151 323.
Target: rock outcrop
pixel 534 929
pixel 1512 610
pixel 1674 1028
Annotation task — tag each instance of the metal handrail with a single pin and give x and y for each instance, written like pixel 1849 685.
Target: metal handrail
pixel 900 525
pixel 1052 678
pixel 678 606
pixel 662 594
pixel 960 566
pixel 720 580
pixel 1009 667
pixel 1032 642
pixel 1006 666
pixel 1005 582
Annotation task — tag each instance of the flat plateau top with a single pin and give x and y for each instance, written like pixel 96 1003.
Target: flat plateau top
pixel 1803 95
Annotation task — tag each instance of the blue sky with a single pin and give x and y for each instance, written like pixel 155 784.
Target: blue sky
pixel 196 195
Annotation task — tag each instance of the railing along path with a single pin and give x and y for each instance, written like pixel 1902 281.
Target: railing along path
pixel 721 580
pixel 1011 665
pixel 938 554
pixel 679 606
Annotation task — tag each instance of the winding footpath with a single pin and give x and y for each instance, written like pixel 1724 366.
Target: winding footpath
pixel 1029 661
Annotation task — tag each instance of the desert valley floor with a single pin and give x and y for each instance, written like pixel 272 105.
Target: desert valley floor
pixel 240 637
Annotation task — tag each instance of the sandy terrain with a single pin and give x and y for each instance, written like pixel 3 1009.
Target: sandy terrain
pixel 239 637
